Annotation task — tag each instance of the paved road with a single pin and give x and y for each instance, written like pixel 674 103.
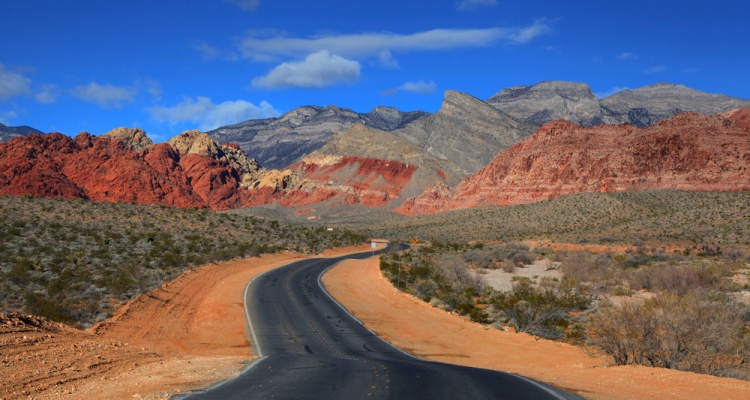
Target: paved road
pixel 311 348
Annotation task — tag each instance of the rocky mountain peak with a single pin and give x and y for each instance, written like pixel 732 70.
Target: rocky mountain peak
pixel 135 138
pixel 549 100
pixel 195 142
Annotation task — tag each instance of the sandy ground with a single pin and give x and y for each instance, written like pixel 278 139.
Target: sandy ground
pixel 501 280
pixel 437 335
pixel 191 332
pixel 184 335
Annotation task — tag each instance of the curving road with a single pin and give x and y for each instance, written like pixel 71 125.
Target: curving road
pixel 311 348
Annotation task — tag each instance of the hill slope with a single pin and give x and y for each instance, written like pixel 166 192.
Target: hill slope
pixel 466 131
pixel 688 152
pixel 278 142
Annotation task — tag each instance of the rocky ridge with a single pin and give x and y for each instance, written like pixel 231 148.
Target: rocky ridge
pixel 466 131
pixel 551 100
pixel 279 142
pixel 687 152
pixel 190 170
pixel 106 168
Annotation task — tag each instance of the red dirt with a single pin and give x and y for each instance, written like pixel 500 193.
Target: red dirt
pixel 184 335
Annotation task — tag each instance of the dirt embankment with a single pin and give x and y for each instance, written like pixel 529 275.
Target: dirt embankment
pixel 437 335
pixel 184 335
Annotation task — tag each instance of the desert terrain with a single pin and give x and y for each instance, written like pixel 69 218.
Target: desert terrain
pixel 191 333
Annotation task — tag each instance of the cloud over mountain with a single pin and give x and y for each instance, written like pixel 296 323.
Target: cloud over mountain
pixel 106 96
pixel 209 115
pixel 363 45
pixel 318 70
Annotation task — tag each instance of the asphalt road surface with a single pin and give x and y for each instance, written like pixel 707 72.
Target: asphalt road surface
pixel 311 348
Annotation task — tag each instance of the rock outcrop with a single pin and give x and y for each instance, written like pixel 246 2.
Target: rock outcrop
pixel 687 152
pixel 107 169
pixel 190 170
pixel 279 142
pixel 549 101
pixel 575 102
pixel 465 131
pixel 135 138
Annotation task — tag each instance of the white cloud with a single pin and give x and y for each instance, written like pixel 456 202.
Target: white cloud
pixel 6 116
pixel 386 60
pixel 470 5
pixel 48 94
pixel 250 5
pixel 420 87
pixel 150 86
pixel 610 92
pixel 357 46
pixel 655 69
pixel 626 55
pixel 12 84
pixel 207 51
pixel 318 70
pixel 208 115
pixel 107 96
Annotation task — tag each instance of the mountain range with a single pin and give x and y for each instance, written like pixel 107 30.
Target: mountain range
pixel 689 151
pixel 469 153
pixel 279 142
pixel 576 102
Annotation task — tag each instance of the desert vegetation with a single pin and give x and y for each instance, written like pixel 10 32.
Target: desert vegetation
pixel 681 218
pixel 77 261
pixel 684 309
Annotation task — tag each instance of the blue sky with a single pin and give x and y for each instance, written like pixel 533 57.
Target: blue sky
pixel 167 66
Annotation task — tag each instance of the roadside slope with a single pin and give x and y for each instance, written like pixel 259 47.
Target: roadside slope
pixel 184 335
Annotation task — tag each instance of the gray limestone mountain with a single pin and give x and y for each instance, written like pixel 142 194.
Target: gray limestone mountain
pixel 9 132
pixel 576 102
pixel 549 101
pixel 650 104
pixel 466 131
pixel 279 142
pixel 365 142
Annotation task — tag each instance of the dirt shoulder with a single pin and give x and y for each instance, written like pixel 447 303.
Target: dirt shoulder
pixel 184 335
pixel 437 335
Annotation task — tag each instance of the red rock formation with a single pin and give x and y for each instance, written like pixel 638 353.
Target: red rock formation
pixel 741 117
pixel 107 169
pixel 351 180
pixel 688 152
pixel 189 171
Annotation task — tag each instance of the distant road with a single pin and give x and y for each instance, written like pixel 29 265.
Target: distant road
pixel 311 348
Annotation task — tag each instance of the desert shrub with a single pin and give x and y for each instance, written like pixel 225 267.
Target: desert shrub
pixel 455 272
pixel 688 333
pixel 508 265
pixel 679 279
pixel 580 266
pixel 540 311
pixel 43 306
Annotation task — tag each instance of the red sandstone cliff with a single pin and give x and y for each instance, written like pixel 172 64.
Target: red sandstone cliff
pixel 688 152
pixel 191 170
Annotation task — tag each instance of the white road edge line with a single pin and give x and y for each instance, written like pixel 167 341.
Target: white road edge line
pixel 256 344
pixel 322 287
